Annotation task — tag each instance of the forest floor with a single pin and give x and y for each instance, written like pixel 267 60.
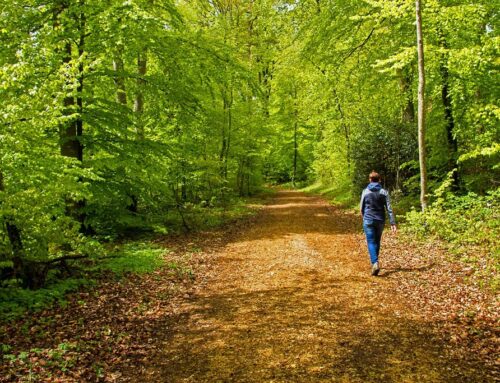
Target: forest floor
pixel 285 296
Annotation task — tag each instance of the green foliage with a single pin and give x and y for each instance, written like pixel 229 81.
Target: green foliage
pixel 186 128
pixel 14 301
pixel 134 257
pixel 360 97
pixel 469 224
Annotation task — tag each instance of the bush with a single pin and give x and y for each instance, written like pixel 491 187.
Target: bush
pixel 469 224
pixel 469 219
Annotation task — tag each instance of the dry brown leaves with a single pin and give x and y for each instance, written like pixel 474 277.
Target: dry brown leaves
pixel 447 292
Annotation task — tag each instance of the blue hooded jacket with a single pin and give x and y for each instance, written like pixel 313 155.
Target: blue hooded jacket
pixel 374 202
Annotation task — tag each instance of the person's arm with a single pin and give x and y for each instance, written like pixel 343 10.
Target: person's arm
pixel 362 202
pixel 388 206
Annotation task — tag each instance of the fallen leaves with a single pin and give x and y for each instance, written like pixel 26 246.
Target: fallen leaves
pixel 447 292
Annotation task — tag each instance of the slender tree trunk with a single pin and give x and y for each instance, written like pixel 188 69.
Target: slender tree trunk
pixel 71 134
pixel 448 110
pixel 446 96
pixel 70 138
pixel 139 98
pixel 346 129
pixel 295 136
pixel 240 176
pixel 222 155
pixel 248 174
pixel 121 98
pixel 407 114
pixel 226 129
pixel 224 138
pixel 295 153
pixel 265 77
pixel 229 129
pixel 138 106
pixel 79 91
pixel 119 69
pixel 421 108
pixel 14 236
pixel 408 110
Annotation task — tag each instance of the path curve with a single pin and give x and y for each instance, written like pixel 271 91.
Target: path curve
pixel 290 299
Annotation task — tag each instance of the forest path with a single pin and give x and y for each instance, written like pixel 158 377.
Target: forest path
pixel 290 299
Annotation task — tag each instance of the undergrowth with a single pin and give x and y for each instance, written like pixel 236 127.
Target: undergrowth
pixel 138 254
pixel 133 257
pixel 15 301
pixel 470 227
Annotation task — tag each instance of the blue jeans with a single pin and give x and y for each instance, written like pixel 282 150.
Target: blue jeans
pixel 373 231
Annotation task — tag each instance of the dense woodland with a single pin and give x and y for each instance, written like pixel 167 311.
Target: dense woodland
pixel 118 115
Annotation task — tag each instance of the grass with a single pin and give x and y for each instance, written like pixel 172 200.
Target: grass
pixel 134 257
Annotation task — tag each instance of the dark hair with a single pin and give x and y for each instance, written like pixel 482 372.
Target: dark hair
pixel 374 176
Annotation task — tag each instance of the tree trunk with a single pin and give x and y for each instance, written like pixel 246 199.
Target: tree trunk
pixel 240 176
pixel 448 110
pixel 222 155
pixel 248 175
pixel 295 150
pixel 139 98
pixel 446 96
pixel 79 90
pixel 421 108
pixel 229 128
pixel 226 130
pixel 71 145
pixel 408 110
pixel 16 243
pixel 13 232
pixel 407 114
pixel 119 68
pixel 346 129
pixel 71 133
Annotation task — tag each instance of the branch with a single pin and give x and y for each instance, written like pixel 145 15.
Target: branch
pixel 363 43
pixel 65 258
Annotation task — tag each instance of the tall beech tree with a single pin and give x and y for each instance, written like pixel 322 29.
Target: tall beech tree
pixel 421 107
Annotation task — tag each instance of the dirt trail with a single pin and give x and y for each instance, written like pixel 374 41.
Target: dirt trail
pixel 290 299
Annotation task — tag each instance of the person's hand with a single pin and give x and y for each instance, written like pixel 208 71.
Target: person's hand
pixel 394 229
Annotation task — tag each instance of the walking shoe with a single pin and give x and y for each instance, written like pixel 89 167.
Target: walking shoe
pixel 375 269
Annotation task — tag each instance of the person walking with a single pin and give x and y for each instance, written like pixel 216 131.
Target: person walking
pixel 374 202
